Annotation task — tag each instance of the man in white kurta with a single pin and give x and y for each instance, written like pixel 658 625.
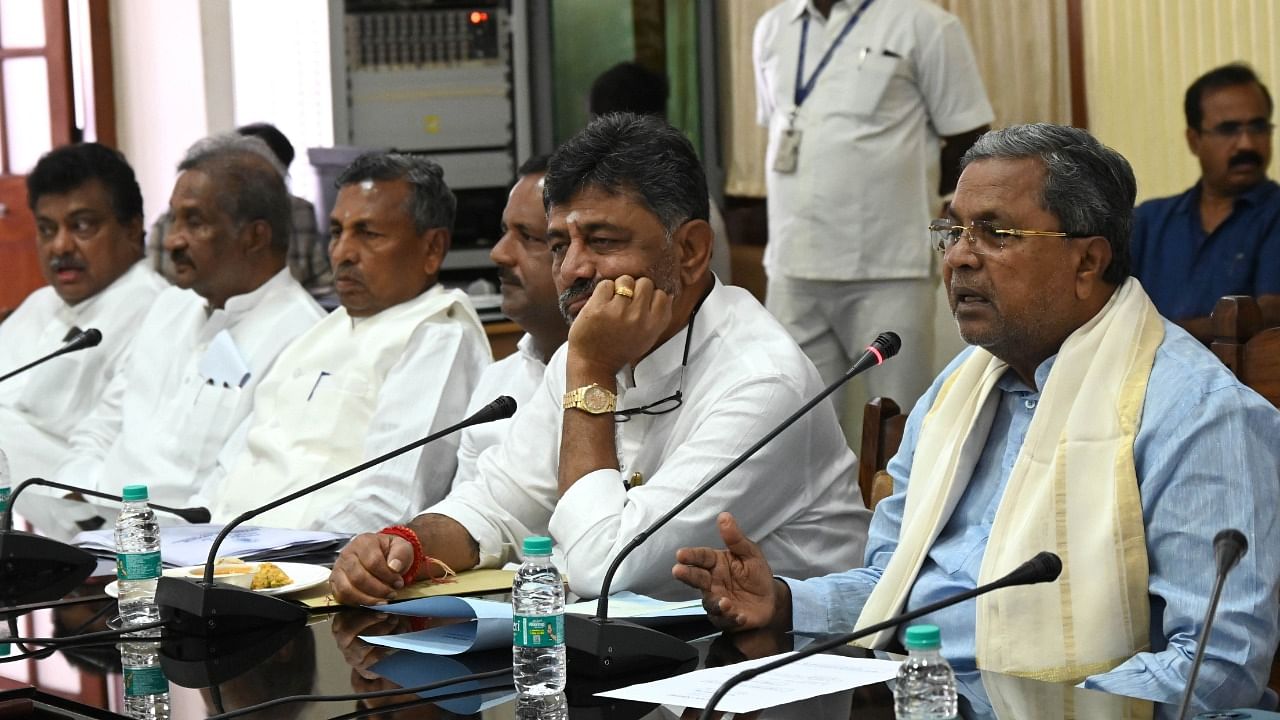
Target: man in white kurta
pixel 200 352
pixel 396 362
pixel 39 408
pixel 744 377
pixel 530 300
pixel 88 212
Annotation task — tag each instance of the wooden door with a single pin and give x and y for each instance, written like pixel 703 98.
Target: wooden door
pixel 36 114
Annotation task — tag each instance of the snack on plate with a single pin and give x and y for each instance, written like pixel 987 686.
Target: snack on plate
pixel 231 566
pixel 269 575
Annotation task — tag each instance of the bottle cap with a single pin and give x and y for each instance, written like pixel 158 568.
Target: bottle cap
pixel 923 637
pixel 537 545
pixel 134 492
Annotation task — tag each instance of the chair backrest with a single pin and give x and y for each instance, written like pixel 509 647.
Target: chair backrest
pixel 1244 346
pixel 882 427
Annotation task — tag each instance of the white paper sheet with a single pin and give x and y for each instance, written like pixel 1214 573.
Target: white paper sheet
pixel 627 604
pixel 807 678
pixel 222 364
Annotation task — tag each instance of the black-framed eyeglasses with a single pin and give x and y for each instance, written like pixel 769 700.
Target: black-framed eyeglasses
pixel 985 238
pixel 673 401
pixel 1261 127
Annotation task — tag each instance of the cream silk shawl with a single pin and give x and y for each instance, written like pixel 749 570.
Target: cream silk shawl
pixel 1073 490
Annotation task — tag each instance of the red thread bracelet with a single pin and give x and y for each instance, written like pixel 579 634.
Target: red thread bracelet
pixel 419 557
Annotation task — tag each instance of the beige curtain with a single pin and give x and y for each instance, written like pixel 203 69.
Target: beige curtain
pixel 1021 46
pixel 1140 56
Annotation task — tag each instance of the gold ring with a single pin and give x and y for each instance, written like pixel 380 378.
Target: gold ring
pixel 623 291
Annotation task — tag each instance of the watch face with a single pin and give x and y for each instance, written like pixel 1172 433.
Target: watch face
pixel 597 400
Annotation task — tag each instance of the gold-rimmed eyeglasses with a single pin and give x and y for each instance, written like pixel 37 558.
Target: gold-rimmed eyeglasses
pixel 985 238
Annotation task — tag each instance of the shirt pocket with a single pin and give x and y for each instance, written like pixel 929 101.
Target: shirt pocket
pixel 214 416
pixel 870 81
pixel 333 405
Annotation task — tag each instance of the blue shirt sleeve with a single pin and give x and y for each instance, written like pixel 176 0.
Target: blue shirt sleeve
pixel 1213 465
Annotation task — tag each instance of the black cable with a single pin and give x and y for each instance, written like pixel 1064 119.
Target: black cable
pixel 360 696
pixel 366 711
pixel 73 639
pixel 94 618
pixel 43 653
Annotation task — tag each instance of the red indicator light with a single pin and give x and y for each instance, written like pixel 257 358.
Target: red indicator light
pixel 478 17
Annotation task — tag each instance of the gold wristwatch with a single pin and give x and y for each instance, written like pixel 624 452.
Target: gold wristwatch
pixel 591 398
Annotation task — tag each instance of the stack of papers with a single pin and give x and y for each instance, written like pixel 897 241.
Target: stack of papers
pixel 185 545
pixel 810 677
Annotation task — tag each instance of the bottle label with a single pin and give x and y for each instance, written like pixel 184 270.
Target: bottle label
pixel 538 631
pixel 138 566
pixel 4 499
pixel 142 681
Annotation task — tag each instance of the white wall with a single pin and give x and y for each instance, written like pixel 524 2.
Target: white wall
pixel 280 61
pixel 163 103
pixel 185 69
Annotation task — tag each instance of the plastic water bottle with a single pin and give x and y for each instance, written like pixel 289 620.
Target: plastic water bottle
pixel 554 706
pixel 5 482
pixel 137 557
pixel 926 688
pixel 537 606
pixel 146 689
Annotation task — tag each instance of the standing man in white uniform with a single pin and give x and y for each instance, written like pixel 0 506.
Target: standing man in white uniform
pixel 88 211
pixel 204 345
pixel 396 362
pixel 870 104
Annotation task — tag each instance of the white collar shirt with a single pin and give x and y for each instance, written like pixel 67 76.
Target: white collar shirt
pixel 797 497
pixel 39 408
pixel 858 204
pixel 350 390
pixel 518 376
pixel 161 423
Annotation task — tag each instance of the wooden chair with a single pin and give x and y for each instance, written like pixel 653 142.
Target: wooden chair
pixel 1244 346
pixel 882 427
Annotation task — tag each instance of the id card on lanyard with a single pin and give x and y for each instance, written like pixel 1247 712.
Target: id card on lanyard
pixel 787 158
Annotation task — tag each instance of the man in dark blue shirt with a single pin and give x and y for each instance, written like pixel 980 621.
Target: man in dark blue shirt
pixel 1221 237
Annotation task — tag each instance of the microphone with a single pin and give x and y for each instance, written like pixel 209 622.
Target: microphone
pixel 1044 567
pixel 607 647
pixel 84 339
pixel 1228 547
pixel 200 607
pixel 35 568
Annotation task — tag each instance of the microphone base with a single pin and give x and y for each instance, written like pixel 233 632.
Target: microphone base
pixel 202 661
pixel 191 608
pixel 609 648
pixel 38 569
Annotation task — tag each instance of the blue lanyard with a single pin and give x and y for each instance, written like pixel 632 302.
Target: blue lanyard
pixel 804 88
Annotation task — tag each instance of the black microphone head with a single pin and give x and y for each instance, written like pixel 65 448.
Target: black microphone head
pixel 1228 547
pixel 84 339
pixel 195 515
pixel 1044 567
pixel 888 343
pixel 500 409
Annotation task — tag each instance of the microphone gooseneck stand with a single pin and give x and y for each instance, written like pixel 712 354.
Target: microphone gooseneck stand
pixel 602 647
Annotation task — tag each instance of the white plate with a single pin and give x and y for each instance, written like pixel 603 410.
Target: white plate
pixel 304 576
